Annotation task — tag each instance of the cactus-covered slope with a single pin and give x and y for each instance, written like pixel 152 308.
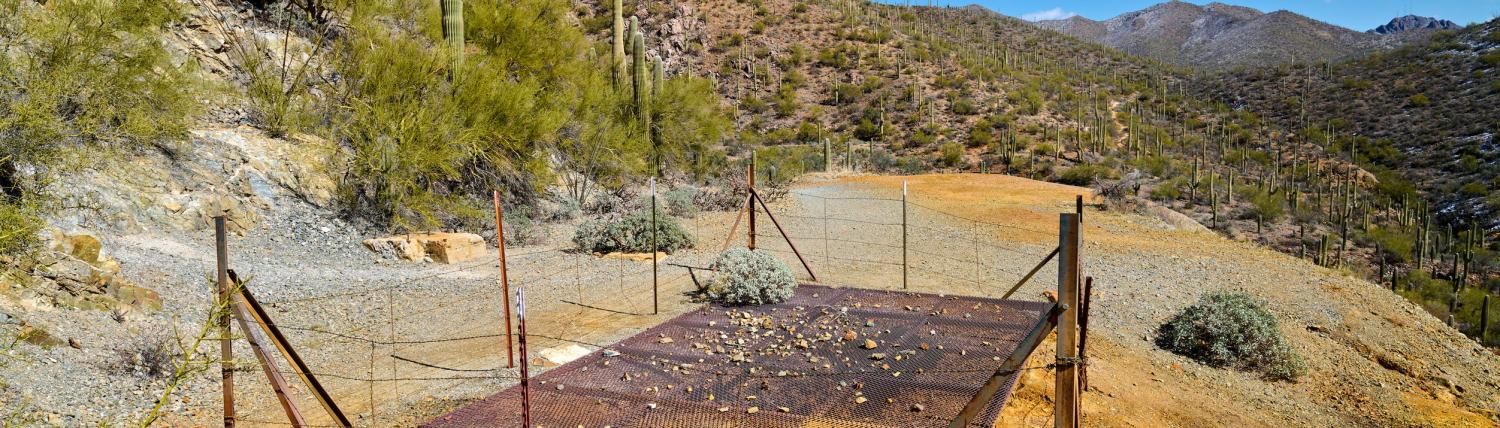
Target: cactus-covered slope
pixel 1436 103
pixel 910 89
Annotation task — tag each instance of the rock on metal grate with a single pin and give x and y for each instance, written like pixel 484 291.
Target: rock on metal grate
pixel 829 357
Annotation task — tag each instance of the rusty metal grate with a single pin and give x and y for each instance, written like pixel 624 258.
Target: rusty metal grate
pixel 784 365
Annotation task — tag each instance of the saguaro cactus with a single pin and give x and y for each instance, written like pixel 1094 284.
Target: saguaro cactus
pixel 658 73
pixel 638 77
pixel 617 60
pixel 453 31
pixel 655 132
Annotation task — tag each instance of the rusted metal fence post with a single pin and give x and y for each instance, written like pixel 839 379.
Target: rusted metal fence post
pixel 510 353
pixel 226 346
pixel 251 306
pixel 525 376
pixel 1079 208
pixel 903 236
pixel 1065 406
pixel 655 300
pixel 267 363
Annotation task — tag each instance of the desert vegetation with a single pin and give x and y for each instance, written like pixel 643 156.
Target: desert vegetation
pixel 82 78
pixel 750 277
pixel 1232 330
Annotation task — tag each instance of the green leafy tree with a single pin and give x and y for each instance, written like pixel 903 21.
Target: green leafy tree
pixel 80 75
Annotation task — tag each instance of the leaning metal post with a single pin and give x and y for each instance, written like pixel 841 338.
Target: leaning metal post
pixel 510 353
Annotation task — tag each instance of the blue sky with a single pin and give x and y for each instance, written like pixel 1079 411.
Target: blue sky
pixel 1355 14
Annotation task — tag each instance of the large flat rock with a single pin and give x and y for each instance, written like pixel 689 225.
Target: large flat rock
pixel 440 247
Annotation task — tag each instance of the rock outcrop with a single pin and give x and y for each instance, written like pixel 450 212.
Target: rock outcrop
pixel 76 273
pixel 1413 22
pixel 441 247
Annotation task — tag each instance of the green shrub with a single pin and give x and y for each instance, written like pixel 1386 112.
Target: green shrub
pixel 745 277
pixel 632 234
pixel 963 106
pixel 19 225
pixel 1266 207
pixel 1083 175
pixel 681 202
pixel 951 154
pixel 521 229
pixel 1232 330
pixel 1167 191
pixel 1492 58
pixel 786 100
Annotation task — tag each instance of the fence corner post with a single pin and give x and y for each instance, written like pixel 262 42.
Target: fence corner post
pixel 1065 411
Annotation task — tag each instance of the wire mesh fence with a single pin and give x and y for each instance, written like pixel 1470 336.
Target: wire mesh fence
pixel 865 241
pixel 400 350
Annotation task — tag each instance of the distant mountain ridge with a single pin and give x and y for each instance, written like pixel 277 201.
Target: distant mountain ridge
pixel 1220 36
pixel 1413 22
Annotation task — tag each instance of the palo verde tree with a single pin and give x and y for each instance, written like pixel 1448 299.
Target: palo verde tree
pixel 80 75
pixel 528 103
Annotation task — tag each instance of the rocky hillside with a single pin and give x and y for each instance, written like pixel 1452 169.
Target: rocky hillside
pixel 1414 23
pixel 1218 36
pixel 1432 104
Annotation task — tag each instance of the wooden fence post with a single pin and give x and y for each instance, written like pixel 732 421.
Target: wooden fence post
pixel 1065 410
pixel 226 346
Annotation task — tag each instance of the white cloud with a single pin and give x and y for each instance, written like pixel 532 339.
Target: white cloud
pixel 1049 14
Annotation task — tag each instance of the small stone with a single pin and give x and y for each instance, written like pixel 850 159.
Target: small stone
pixel 860 400
pixel 917 407
pixel 752 410
pixel 651 406
pixel 850 335
pixel 877 356
pixel 664 340
pixel 869 344
pixel 783 409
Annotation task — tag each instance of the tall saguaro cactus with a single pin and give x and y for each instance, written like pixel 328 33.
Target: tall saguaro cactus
pixel 638 74
pixel 657 73
pixel 453 31
pixel 617 60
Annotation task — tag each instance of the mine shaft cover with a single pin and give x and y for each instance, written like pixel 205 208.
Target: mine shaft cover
pixel 808 362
